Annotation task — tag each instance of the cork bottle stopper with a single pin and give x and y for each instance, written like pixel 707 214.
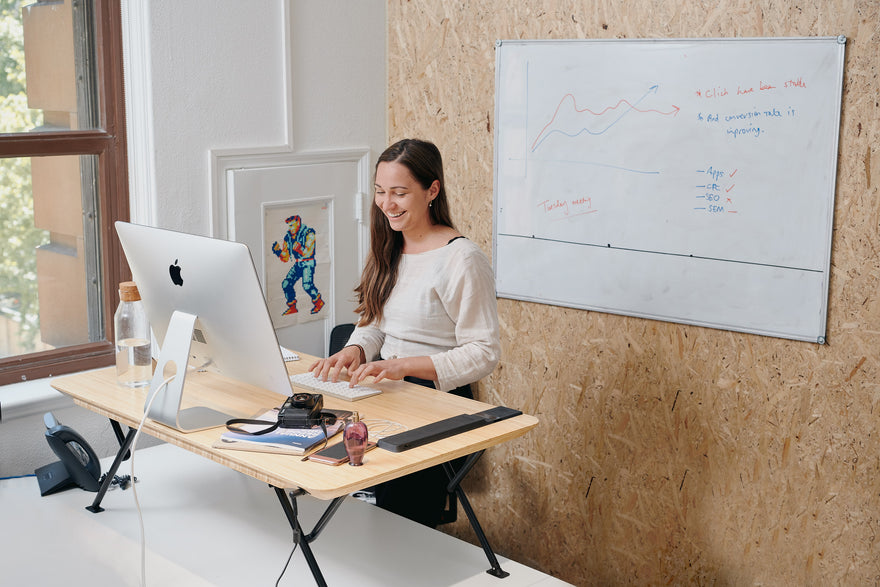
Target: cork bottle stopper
pixel 128 292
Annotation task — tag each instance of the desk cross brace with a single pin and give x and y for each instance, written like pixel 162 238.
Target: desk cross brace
pixel 123 454
pixel 288 503
pixel 290 509
pixel 455 487
pixel 299 536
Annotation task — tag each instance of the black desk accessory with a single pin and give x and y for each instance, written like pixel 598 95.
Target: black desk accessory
pixel 445 428
pixel 78 465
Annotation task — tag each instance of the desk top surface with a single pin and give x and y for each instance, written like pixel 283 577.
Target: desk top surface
pixel 400 402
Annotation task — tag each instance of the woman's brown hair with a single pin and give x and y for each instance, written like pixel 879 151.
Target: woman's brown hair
pixel 425 163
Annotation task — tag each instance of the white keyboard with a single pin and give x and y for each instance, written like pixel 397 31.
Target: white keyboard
pixel 340 389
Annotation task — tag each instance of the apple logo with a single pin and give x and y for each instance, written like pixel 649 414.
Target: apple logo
pixel 174 270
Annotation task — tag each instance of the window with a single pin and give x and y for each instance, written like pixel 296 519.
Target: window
pixel 63 182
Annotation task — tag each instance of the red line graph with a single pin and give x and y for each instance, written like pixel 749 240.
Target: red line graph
pixel 630 107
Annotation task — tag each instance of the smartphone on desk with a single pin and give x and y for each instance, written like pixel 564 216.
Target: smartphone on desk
pixel 335 454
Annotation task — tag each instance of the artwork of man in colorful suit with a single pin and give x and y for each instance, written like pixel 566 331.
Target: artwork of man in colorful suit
pixel 298 247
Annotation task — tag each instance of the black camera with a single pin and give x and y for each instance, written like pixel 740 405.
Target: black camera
pixel 301 410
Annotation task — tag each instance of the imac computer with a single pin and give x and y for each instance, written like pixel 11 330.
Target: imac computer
pixel 207 311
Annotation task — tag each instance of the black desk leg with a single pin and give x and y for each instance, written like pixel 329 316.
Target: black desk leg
pixel 455 485
pixel 123 454
pixel 299 536
pixel 117 430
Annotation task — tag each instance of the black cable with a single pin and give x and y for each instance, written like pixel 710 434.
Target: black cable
pixel 284 570
pixel 122 481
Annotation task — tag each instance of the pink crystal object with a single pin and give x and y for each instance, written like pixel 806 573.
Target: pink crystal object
pixel 355 439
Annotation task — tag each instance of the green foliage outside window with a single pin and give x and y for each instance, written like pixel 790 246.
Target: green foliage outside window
pixel 18 267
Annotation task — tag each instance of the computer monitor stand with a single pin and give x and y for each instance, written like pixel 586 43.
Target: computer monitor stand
pixel 173 358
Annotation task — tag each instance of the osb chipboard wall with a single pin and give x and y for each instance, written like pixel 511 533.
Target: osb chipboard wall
pixel 667 454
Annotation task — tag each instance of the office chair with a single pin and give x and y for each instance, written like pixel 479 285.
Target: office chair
pixel 338 339
pixel 339 336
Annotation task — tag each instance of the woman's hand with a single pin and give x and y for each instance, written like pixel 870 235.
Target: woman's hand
pixel 395 369
pixel 350 358
pixel 390 369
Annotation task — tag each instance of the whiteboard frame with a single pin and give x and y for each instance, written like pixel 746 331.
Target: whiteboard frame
pixel 817 335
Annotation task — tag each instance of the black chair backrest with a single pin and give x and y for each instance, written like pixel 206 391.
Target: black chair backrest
pixel 339 337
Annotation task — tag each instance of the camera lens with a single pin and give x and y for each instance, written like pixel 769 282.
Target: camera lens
pixel 301 397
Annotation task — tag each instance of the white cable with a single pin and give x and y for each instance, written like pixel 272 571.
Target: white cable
pixel 134 481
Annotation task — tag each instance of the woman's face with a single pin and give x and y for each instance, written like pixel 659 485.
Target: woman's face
pixel 402 199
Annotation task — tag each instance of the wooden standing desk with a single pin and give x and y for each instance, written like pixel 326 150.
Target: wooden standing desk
pixel 401 402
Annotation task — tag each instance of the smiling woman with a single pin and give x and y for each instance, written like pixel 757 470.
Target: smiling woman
pixel 427 306
pixel 405 203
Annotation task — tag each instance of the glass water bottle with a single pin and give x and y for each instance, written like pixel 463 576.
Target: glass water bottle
pixel 134 360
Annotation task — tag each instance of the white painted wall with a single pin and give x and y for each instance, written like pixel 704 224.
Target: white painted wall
pixel 204 76
pixel 218 78
pixel 339 74
pixel 221 78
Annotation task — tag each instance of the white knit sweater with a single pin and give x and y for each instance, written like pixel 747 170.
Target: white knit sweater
pixel 442 306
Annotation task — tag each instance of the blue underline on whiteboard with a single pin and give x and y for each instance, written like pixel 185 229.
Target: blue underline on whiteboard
pixel 593 163
pixel 665 253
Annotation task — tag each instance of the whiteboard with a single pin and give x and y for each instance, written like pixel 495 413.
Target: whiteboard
pixel 690 181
